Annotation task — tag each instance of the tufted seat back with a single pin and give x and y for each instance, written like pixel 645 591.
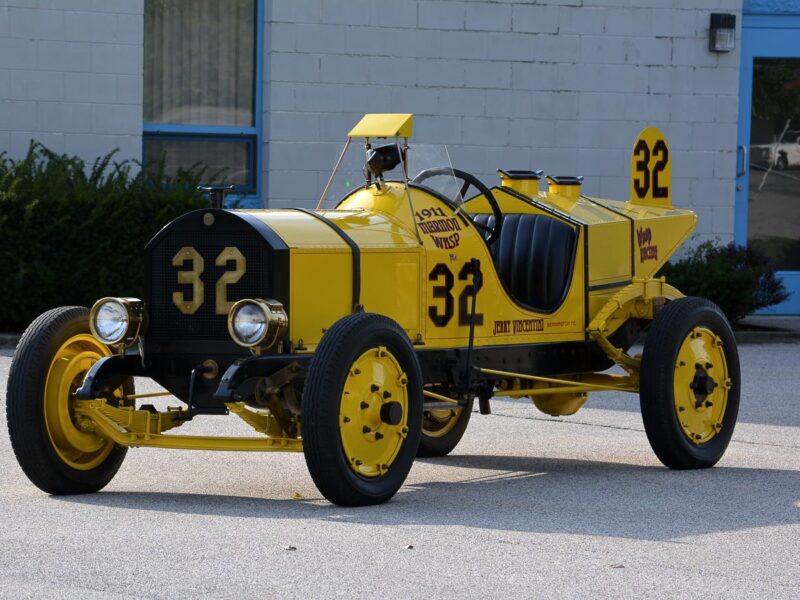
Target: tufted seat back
pixel 533 257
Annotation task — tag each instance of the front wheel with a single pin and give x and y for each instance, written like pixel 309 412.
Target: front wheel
pixel 51 360
pixel 690 384
pixel 362 410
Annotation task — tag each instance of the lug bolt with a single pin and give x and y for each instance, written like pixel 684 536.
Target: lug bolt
pixel 359 463
pixel 374 388
pixel 346 419
pixel 356 371
pixel 366 429
pixel 681 409
pixel 364 405
pixel 378 435
pixel 709 404
pixel 387 394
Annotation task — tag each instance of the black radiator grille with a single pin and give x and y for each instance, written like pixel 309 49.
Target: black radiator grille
pixel 169 323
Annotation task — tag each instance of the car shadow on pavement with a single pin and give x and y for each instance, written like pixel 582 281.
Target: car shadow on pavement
pixel 526 494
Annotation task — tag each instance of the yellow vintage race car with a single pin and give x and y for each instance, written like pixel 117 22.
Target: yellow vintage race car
pixel 360 333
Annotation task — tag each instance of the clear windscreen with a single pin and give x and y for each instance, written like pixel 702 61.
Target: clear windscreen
pixel 429 162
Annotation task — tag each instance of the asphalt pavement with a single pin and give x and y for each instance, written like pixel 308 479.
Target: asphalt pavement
pixel 527 506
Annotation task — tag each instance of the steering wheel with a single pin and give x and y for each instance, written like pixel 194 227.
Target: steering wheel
pixel 469 180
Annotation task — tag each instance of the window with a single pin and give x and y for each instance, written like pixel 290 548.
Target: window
pixel 202 65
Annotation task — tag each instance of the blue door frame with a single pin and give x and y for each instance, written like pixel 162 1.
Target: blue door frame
pixel 763 36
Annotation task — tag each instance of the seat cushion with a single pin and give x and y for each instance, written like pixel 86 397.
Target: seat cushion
pixel 533 257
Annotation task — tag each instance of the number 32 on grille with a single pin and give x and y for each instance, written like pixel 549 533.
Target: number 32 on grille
pixel 188 254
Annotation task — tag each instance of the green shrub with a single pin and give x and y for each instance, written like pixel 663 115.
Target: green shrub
pixel 70 235
pixel 739 280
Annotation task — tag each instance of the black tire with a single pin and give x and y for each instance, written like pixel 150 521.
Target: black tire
pixel 431 446
pixel 27 429
pixel 347 340
pixel 782 163
pixel 671 327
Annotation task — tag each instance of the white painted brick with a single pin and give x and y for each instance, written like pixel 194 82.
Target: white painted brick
pixel 17 53
pixel 535 76
pixel 421 101
pixel 679 135
pixel 725 164
pixel 289 155
pixel 320 38
pixel 485 131
pixel 294 126
pixel 279 96
pixel 723 220
pixel 36 24
pixel 718 80
pixel 487 74
pixel 461 102
pixel 117 6
pixel 350 69
pixel 727 109
pixel 391 12
pixel 604 78
pixel 466 44
pixel 37 85
pixel 607 134
pixel 625 50
pixel 346 12
pixel 293 66
pixel 499 103
pixel 440 130
pixel 712 192
pixel 581 20
pixel 89 27
pixel 713 136
pixel 507 46
pixel 5 84
pixel 646 107
pixel 395 71
pixel 554 105
pixel 17 115
pixel 111 58
pixel 90 87
pixel 444 14
pixel 555 161
pixel 555 48
pixel 692 108
pixel 694 164
pixel 488 16
pixel 63 56
pixel 295 11
pixel 533 133
pixel 318 97
pixel 116 118
pixel 282 37
pixel 671 80
pixel 3 21
pixel 628 21
pixel 602 105
pixel 530 18
pixel 64 117
pixel 333 127
pixel 130 89
pixel 130 29
pixel 440 73
pixel 596 163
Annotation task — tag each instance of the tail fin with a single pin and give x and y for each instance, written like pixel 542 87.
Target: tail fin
pixel 651 170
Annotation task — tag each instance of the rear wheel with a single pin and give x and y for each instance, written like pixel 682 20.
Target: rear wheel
pixel 50 362
pixel 442 430
pixel 690 384
pixel 362 410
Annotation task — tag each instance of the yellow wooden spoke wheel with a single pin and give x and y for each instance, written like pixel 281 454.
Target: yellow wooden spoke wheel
pixel 58 453
pixel 690 384
pixel 362 410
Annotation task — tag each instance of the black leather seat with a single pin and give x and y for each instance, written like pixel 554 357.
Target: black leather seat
pixel 533 257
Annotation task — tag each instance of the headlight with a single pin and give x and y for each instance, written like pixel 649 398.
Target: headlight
pixel 117 321
pixel 257 323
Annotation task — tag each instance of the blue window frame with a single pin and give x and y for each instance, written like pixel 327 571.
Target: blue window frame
pixel 213 120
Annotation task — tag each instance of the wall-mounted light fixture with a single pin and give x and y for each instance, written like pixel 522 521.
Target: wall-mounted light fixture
pixel 722 32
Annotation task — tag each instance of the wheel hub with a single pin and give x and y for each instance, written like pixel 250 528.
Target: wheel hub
pixel 701 385
pixel 373 412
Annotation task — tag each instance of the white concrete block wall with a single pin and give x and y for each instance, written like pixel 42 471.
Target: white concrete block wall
pixel 71 76
pixel 561 85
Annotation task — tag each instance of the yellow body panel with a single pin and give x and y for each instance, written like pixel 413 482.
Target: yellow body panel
pixel 383 126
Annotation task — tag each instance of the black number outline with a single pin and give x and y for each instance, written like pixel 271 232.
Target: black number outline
pixel 442 291
pixel 642 167
pixel 660 148
pixel 464 306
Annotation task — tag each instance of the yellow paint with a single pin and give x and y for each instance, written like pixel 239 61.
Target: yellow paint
pixel 527 186
pixel 371 444
pixel 77 448
pixel 701 353
pixel 383 126
pixel 651 169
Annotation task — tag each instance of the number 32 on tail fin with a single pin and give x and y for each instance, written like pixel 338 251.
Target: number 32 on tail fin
pixel 651 170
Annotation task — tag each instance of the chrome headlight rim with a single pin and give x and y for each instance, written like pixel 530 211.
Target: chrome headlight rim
pixel 275 323
pixel 135 319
